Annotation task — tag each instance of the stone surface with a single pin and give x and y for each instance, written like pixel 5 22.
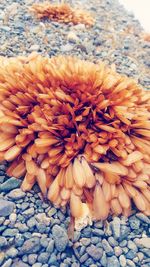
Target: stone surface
pixel 6 207
pixel 94 252
pixel 16 194
pixel 30 246
pixel 60 237
pixel 10 184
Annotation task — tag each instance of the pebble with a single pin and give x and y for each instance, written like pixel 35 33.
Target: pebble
pixel 16 194
pixel 98 232
pixel 43 257
pixel 134 223
pixel 132 245
pixel 72 37
pixel 6 207
pixel 2 257
pixel 108 249
pixel 32 258
pixel 112 241
pixel 38 264
pixel 85 241
pixel 122 261
pixel 28 213
pixel 143 218
pixel 66 48
pixel 12 252
pixel 84 258
pixel 60 237
pixel 131 254
pixel 130 263
pixel 31 222
pixel 94 252
pixel 30 246
pixel 113 261
pixel 50 246
pixel 116 227
pixel 8 263
pixel 13 218
pixel 10 232
pixel 3 242
pixel 118 251
pixel 143 242
pixel 20 263
pixel 10 184
pixel 53 259
pixel 103 260
pixel 34 47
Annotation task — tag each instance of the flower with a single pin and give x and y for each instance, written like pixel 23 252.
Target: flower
pixel 78 129
pixel 63 13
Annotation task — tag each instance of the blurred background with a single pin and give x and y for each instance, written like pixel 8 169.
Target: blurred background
pixel 141 10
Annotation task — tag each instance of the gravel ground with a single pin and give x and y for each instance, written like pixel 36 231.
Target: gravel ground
pixel 33 233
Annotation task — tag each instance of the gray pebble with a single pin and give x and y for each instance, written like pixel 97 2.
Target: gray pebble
pixel 16 193
pixel 10 232
pixel 130 263
pixel 108 249
pixel 12 252
pixel 113 261
pixel 134 223
pixel 98 232
pixel 131 254
pixel 43 257
pixel 116 227
pixel 3 242
pixel 53 259
pixel 28 213
pixel 85 241
pixel 38 264
pixel 31 222
pixel 84 258
pixel 7 263
pixel 10 184
pixel 118 251
pixel 103 259
pixel 24 205
pixel 60 237
pixel 132 245
pixel 143 218
pixel 2 219
pixel 35 47
pixel 20 263
pixel 112 241
pixel 143 242
pixel 2 257
pixel 6 207
pixel 94 252
pixel 32 258
pixel 122 261
pixel 50 246
pixel 30 246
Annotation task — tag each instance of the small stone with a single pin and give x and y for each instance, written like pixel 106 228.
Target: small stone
pixel 20 263
pixel 6 207
pixel 50 246
pixel 2 178
pixel 10 184
pixel 131 254
pixel 34 47
pixel 21 227
pixel 134 223
pixel 98 232
pixel 94 252
pixel 19 240
pixel 130 263
pixel 122 261
pixel 123 243
pixel 95 240
pixel 3 242
pixel 124 232
pixel 112 241
pixel 16 194
pixel 43 257
pixel 140 256
pixel 51 212
pixel 103 260
pixel 53 259
pixel 30 246
pixel 24 205
pixel 7 263
pixel 32 258
pixel 13 218
pixel 85 241
pixel 108 249
pixel 143 218
pixel 66 48
pixel 2 219
pixel 28 213
pixel 116 227
pixel 5 28
pixel 118 251
pixel 144 242
pixel 2 257
pixel 31 222
pixel 113 261
pixel 60 237
pixel 38 264
pixel 72 37
pixel 84 258
pixel 10 232
pixel 132 245
pixel 12 252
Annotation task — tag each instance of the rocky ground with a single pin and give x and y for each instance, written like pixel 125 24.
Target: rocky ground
pixel 33 233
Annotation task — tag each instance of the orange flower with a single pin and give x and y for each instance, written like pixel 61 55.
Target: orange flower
pixel 62 13
pixel 78 129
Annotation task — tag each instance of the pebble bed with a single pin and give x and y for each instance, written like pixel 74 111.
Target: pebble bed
pixel 34 233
